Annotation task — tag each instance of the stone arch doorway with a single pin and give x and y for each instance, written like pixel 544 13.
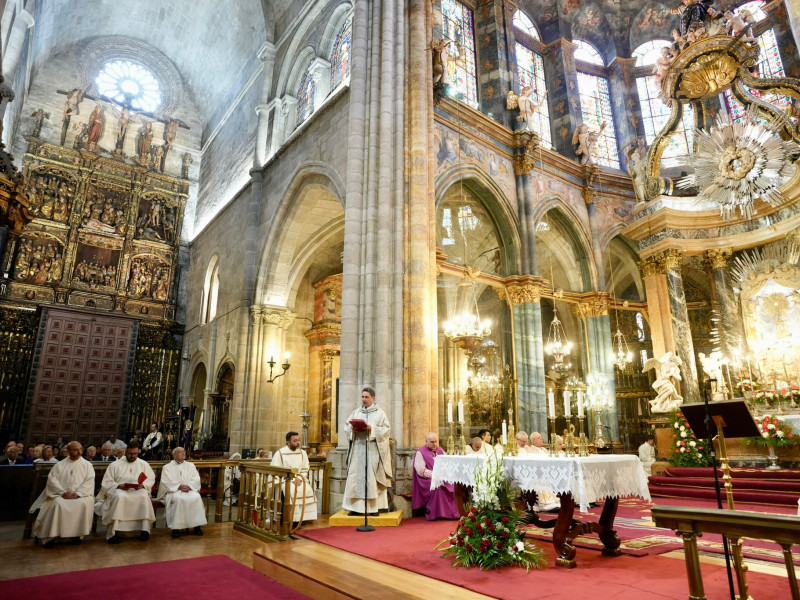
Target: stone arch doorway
pixel 220 409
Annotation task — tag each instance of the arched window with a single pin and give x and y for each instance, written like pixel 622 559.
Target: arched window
pixel 305 95
pixel 655 113
pixel 129 82
pixel 210 291
pixel 596 105
pixel 522 22
pixel 340 55
pixel 769 64
pixel 461 70
pixel 530 70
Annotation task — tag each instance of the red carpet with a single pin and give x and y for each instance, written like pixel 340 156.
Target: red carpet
pixel 750 485
pixel 207 578
pixel 641 538
pixel 411 547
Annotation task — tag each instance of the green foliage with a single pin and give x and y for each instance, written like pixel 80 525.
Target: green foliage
pixel 687 450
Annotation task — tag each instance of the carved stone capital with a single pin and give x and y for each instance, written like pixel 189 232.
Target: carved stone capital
pixel 267 52
pixel 280 317
pixel 719 258
pixel 650 266
pixel 523 164
pixel 592 305
pixel 670 259
pixel 526 143
pixel 523 289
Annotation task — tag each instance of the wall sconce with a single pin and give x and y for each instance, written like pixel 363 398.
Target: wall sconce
pixel 285 366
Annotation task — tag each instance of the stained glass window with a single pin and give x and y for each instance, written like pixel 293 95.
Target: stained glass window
pixel 305 95
pixel 531 73
pixel 595 110
pixel 649 52
pixel 461 71
pixel 523 22
pixel 588 53
pixel 769 65
pixel 126 81
pixel 467 221
pixel 340 55
pixel 655 115
pixel 447 225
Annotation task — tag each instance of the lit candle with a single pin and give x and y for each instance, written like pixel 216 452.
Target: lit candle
pixel 567 407
pixel 551 401
pixel 580 404
pixel 505 432
pixel 460 412
pixel 449 412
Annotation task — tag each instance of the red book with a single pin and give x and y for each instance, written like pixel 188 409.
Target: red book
pixel 358 424
pixel 142 478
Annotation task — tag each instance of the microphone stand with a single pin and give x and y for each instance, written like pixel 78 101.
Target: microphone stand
pixel 365 526
pixel 710 446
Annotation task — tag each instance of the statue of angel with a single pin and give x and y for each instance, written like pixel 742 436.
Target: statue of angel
pixel 712 366
pixel 667 373
pixel 662 64
pixel 527 106
pixel 585 141
pixel 743 22
pixel 440 57
pixel 636 153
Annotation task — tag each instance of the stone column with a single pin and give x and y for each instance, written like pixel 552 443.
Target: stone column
pixel 625 96
pixel 267 56
pixel 731 332
pixel 784 19
pixel 492 27
pixel 525 143
pixel 588 193
pixel 562 88
pixel 680 334
pixel 321 72
pixel 326 404
pixel 283 122
pixel 523 294
pixel 593 312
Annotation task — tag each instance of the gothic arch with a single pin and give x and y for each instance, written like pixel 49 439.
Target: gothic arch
pixel 313 200
pixel 338 18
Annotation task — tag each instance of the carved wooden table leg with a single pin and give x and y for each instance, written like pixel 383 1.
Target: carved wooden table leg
pixel 461 493
pixel 606 532
pixel 564 532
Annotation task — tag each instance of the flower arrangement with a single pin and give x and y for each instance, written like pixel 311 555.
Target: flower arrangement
pixel 766 396
pixel 774 433
pixel 746 384
pixel 790 394
pixel 489 536
pixel 688 451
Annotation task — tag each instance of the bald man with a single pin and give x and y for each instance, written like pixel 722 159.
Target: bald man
pixel 179 491
pixel 66 504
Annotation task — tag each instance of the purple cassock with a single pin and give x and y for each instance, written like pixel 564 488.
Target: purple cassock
pixel 439 503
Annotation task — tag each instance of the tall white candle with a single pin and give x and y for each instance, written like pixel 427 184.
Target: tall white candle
pixel 460 412
pixel 580 404
pixel 567 407
pixel 449 411
pixel 505 433
pixel 551 401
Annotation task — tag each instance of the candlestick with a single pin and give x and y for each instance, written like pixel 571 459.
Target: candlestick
pixel 599 440
pixel 460 412
pixel 567 406
pixel 449 411
pixel 580 404
pixel 551 401
pixel 505 433
pixel 451 443
pixel 553 436
pixel 583 442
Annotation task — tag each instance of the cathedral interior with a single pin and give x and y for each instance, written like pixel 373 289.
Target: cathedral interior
pixel 226 218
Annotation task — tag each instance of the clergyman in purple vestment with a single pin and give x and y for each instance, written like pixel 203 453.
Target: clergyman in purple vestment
pixel 439 503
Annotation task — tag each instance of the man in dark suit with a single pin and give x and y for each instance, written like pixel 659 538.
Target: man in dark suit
pixel 105 454
pixel 12 457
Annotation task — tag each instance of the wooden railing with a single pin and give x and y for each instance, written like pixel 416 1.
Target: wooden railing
pixel 265 508
pixel 319 478
pixel 689 523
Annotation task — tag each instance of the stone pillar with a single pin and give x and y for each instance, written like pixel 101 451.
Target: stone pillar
pixel 267 56
pixel 283 122
pixel 492 27
pixel 523 294
pixel 625 94
pixel 784 19
pixel 588 193
pixel 525 143
pixel 593 312
pixel 321 72
pixel 562 88
pixel 326 404
pixel 731 332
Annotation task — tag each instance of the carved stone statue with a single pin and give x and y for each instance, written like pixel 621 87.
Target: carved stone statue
pixel 527 107
pixel 187 162
pixel 668 372
pixel 585 141
pixel 97 125
pixel 144 142
pixel 692 11
pixel 74 97
pixel 662 64
pixel 740 24
pixel 637 167
pixel 39 116
pixel 712 366
pixel 125 118
pixel 440 57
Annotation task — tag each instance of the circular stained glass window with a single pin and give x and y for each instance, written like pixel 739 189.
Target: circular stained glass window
pixel 126 81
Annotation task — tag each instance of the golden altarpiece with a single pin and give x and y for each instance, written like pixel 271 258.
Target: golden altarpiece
pixel 90 296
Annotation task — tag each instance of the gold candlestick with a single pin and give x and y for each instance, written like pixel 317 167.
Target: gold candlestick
pixel 583 441
pixel 599 440
pixel 569 441
pixel 553 436
pixel 451 442
pixel 511 441
pixel 462 446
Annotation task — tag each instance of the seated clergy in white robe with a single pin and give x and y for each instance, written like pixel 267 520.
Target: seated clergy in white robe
pixel 65 505
pixel 294 457
pixel 179 491
pixel 124 503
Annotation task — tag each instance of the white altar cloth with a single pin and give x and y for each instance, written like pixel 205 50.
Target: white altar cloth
pixel 586 478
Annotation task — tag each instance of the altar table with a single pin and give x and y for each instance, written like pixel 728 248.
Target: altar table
pixel 576 481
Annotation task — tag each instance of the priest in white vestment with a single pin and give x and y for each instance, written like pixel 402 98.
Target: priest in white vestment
pixel 379 474
pixel 65 505
pixel 179 490
pixel 124 503
pixel 647 454
pixel 303 497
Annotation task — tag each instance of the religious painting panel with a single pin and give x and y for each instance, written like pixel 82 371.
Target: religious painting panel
pixel 106 207
pixel 149 277
pixel 51 192
pixel 157 218
pixel 17 339
pixel 40 259
pixel 95 267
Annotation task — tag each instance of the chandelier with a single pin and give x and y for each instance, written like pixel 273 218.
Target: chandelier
pixel 466 328
pixel 622 356
pixel 558 346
